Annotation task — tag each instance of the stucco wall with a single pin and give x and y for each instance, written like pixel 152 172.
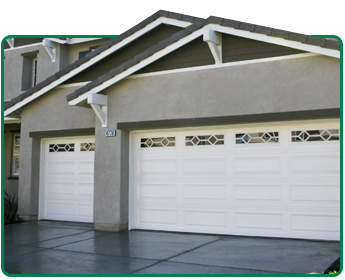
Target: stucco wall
pixel 277 86
pixel 49 112
pixel 13 68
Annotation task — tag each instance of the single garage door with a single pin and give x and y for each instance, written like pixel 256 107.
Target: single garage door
pixel 278 179
pixel 66 186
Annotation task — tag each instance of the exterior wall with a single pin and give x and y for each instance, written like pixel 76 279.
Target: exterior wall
pixel 10 182
pixel 13 68
pixel 307 83
pixel 50 112
pixel 276 86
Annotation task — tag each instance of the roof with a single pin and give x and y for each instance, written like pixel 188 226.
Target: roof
pixel 197 23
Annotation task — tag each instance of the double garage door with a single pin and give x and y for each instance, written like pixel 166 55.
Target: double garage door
pixel 279 180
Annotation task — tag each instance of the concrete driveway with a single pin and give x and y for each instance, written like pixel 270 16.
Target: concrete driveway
pixel 48 247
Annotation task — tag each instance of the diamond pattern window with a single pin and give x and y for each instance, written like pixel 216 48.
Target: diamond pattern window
pixel 323 135
pixel 58 148
pixel 259 137
pixel 87 147
pixel 157 142
pixel 205 140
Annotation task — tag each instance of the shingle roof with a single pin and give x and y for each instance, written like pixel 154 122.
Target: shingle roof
pixel 197 23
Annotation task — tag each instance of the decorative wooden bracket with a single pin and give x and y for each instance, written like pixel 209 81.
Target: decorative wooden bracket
pixel 10 41
pixel 214 41
pixel 50 47
pixel 99 104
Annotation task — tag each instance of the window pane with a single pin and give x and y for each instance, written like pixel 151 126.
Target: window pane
pixel 257 137
pixel 16 150
pixel 322 135
pixel 203 140
pixel 157 142
pixel 17 140
pixel 16 165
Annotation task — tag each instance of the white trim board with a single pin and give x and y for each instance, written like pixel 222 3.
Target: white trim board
pixel 22 47
pixel 228 64
pixel 275 40
pixel 147 28
pixel 73 85
pixel 11 120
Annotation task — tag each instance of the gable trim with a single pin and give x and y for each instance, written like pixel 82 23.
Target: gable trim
pixel 275 40
pixel 21 47
pixel 124 42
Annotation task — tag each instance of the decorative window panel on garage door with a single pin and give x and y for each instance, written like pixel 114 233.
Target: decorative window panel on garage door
pixel 275 186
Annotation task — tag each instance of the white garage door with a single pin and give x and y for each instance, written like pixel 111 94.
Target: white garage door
pixel 279 179
pixel 66 186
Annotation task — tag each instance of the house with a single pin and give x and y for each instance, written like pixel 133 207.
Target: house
pixel 21 58
pixel 187 124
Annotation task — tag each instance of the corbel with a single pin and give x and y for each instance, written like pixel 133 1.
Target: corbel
pixel 99 104
pixel 10 41
pixel 50 47
pixel 214 41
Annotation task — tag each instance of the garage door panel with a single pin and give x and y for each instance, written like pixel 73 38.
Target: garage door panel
pixel 205 219
pixel 205 166
pixel 205 192
pixel 157 191
pixel 157 167
pixel 315 194
pixel 258 192
pixel 60 168
pixel 56 208
pixel 60 188
pixel 315 223
pixel 261 189
pixel 66 189
pixel 254 165
pixel 157 216
pixel 261 221
pixel 315 165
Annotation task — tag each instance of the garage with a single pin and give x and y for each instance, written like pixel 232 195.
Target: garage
pixel 67 179
pixel 270 179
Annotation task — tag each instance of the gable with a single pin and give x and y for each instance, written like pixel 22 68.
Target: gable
pixel 151 38
pixel 234 48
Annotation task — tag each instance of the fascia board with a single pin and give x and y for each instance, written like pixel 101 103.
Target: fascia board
pixel 275 40
pixel 11 120
pixel 147 28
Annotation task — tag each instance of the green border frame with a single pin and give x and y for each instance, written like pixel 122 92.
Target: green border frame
pixel 165 275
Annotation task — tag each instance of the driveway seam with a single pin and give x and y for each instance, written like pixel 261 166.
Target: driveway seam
pixel 211 265
pixel 181 253
pixel 104 255
pixel 69 235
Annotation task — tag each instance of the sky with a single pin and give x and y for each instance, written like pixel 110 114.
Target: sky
pixel 100 17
